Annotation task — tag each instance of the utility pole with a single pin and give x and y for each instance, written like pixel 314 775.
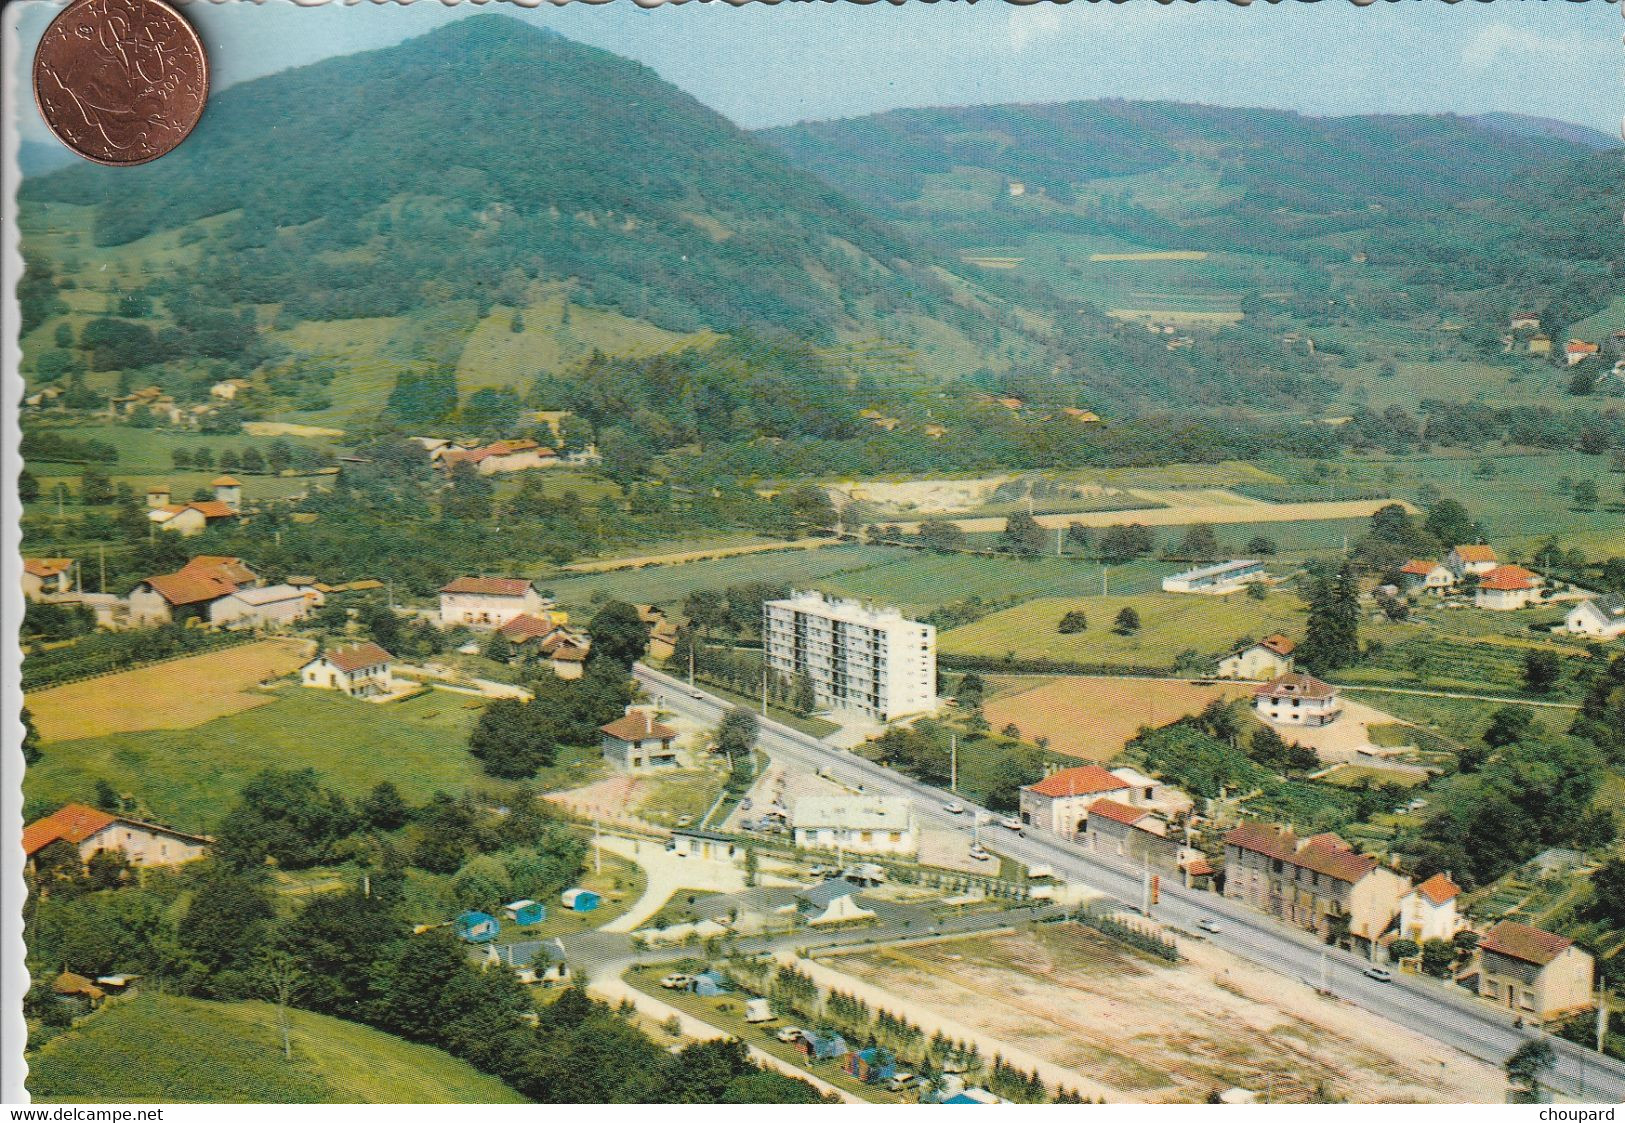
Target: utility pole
pixel 101 554
pixel 1145 886
pixel 691 659
pixel 597 849
pixel 1104 569
pixel 953 763
pixel 1058 533
pixel 1602 1017
pixel 764 691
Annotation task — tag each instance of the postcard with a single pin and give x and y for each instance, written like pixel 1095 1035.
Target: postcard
pixel 814 554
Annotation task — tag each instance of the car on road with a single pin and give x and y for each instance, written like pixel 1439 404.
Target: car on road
pixel 745 804
pixel 695 692
pixel 790 1034
pixel 954 808
pixel 676 982
pixel 1380 974
pixel 820 871
pixel 980 854
pixel 1208 924
pixel 1010 824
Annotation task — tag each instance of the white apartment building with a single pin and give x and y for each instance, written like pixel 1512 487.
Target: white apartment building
pixel 858 657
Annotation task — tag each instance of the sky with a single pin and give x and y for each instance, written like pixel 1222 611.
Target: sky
pixel 761 65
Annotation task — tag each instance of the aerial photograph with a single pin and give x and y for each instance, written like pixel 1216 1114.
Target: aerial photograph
pixel 826 555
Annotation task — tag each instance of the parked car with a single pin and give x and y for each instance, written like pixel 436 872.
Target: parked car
pixel 1010 824
pixel 685 820
pixel 820 871
pixel 676 982
pixel 1208 924
pixel 746 804
pixel 790 1034
pixel 901 1082
pixel 954 808
pixel 980 854
pixel 695 692
pixel 1380 974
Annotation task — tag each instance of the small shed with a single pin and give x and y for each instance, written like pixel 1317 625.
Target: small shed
pixel 709 983
pixel 580 900
pixel 822 1046
pixel 477 927
pixel 525 912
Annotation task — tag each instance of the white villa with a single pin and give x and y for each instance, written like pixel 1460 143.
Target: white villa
pixel 1507 588
pixel 1428 911
pixel 1268 658
pixel 1471 560
pixel 1603 617
pixel 364 670
pixel 489 602
pixel 1297 699
pixel 1431 577
pixel 637 742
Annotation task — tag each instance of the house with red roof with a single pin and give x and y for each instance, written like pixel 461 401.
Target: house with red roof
pixel 1261 660
pixel 1578 351
pixel 43 577
pixel 1427 577
pixel 1534 972
pixel 1471 560
pixel 1059 803
pixel 191 592
pixel 1507 588
pixel 517 455
pixel 362 670
pixel 1428 911
pixel 1297 699
pixel 1320 883
pixel 636 742
pixel 89 830
pixel 489 602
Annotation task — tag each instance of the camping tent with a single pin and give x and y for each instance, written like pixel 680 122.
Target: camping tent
pixel 709 983
pixel 580 900
pixel 477 927
pixel 525 912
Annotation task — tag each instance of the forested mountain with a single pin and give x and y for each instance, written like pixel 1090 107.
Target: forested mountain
pixel 1521 124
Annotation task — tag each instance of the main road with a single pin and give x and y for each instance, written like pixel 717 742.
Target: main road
pixel 1438 1010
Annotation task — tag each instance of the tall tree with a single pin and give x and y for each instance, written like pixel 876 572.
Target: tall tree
pixel 1332 636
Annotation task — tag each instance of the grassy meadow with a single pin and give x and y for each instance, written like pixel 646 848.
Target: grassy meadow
pixel 162 1049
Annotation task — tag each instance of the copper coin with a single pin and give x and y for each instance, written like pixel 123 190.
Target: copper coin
pixel 120 81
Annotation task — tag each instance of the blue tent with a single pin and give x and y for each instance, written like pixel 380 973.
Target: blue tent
pixel 477 927
pixel 580 900
pixel 525 912
pixel 709 984
pixel 823 1046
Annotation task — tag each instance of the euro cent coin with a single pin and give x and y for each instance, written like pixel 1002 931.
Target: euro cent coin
pixel 120 81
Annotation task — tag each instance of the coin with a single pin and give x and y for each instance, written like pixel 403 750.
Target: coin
pixel 120 81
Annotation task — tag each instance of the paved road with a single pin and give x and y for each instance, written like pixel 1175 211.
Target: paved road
pixel 1439 1010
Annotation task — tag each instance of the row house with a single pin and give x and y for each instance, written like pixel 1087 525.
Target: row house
pixel 1315 883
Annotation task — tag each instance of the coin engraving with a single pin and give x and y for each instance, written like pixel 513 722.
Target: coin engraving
pixel 120 81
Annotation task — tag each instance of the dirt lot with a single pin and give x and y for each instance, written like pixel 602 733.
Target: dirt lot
pixel 1156 1033
pixel 175 695
pixel 1093 718
pixel 1344 738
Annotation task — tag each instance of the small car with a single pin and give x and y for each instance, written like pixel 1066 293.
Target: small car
pixel 685 820
pixel 980 854
pixel 1010 824
pixel 695 692
pixel 676 982
pixel 954 808
pixel 790 1034
pixel 745 804
pixel 820 871
pixel 1208 924
pixel 1380 974
pixel 901 1082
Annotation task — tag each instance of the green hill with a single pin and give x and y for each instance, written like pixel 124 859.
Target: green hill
pixel 158 1048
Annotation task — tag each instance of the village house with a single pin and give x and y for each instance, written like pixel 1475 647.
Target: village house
pixel 188 519
pixel 363 670
pixel 228 389
pixel 1059 803
pixel 566 655
pixel 1428 911
pixel 524 630
pixel 1578 351
pixel 1471 560
pixel 269 606
pixel 1533 971
pixel 636 742
pixel 1133 833
pixel 1507 588
pixel 190 592
pixel 859 824
pixel 489 602
pixel 89 830
pixel 1297 699
pixel 1429 577
pixel 1601 617
pixel 229 491
pixel 1318 883
pixel 46 577
pixel 517 455
pixel 1262 660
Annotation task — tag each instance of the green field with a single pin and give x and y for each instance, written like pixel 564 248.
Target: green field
pixel 669 584
pixel 1493 384
pixel 1597 328
pixel 162 1049
pixel 1170 623
pixel 189 778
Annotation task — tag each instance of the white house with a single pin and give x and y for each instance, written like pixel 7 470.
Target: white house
pixel 1507 588
pixel 227 389
pixel 1223 577
pixel 1430 577
pixel 1603 618
pixel 89 830
pixel 1297 699
pixel 190 518
pixel 860 824
pixel 1266 659
pixel 256 607
pixel 636 742
pixel 489 602
pixel 43 577
pixel 1470 559
pixel 1428 911
pixel 363 670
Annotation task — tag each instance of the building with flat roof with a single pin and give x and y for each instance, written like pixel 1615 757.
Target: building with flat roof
pixel 1223 577
pixel 858 657
pixel 864 824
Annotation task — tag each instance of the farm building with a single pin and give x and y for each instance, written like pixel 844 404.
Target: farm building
pixel 517 455
pixel 488 602
pixel 191 592
pixel 1223 577
pixel 77 991
pixel 1578 351
pixel 363 670
pixel 1602 617
pixel 1059 803
pixel 477 927
pixel 580 900
pixel 1297 699
pixel 1507 588
pixel 43 577
pixel 525 912
pixel 270 606
pixel 1268 658
pixel 526 629
pixel 1533 971
pixel 861 824
pixel 89 830
pixel 639 743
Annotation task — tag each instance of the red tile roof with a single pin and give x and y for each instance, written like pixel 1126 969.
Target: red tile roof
pixel 225 481
pixel 212 509
pixel 1295 685
pixel 524 627
pixel 1418 568
pixel 570 653
pixel 1278 643
pixel 640 726
pixel 1088 779
pixel 351 659
pixel 191 588
pixel 1475 553
pixel 47 567
pixel 1509 578
pixel 1324 853
pixel 1438 889
pixel 232 569
pixel 1520 941
pixel 1117 812
pixel 489 586
pixel 73 823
